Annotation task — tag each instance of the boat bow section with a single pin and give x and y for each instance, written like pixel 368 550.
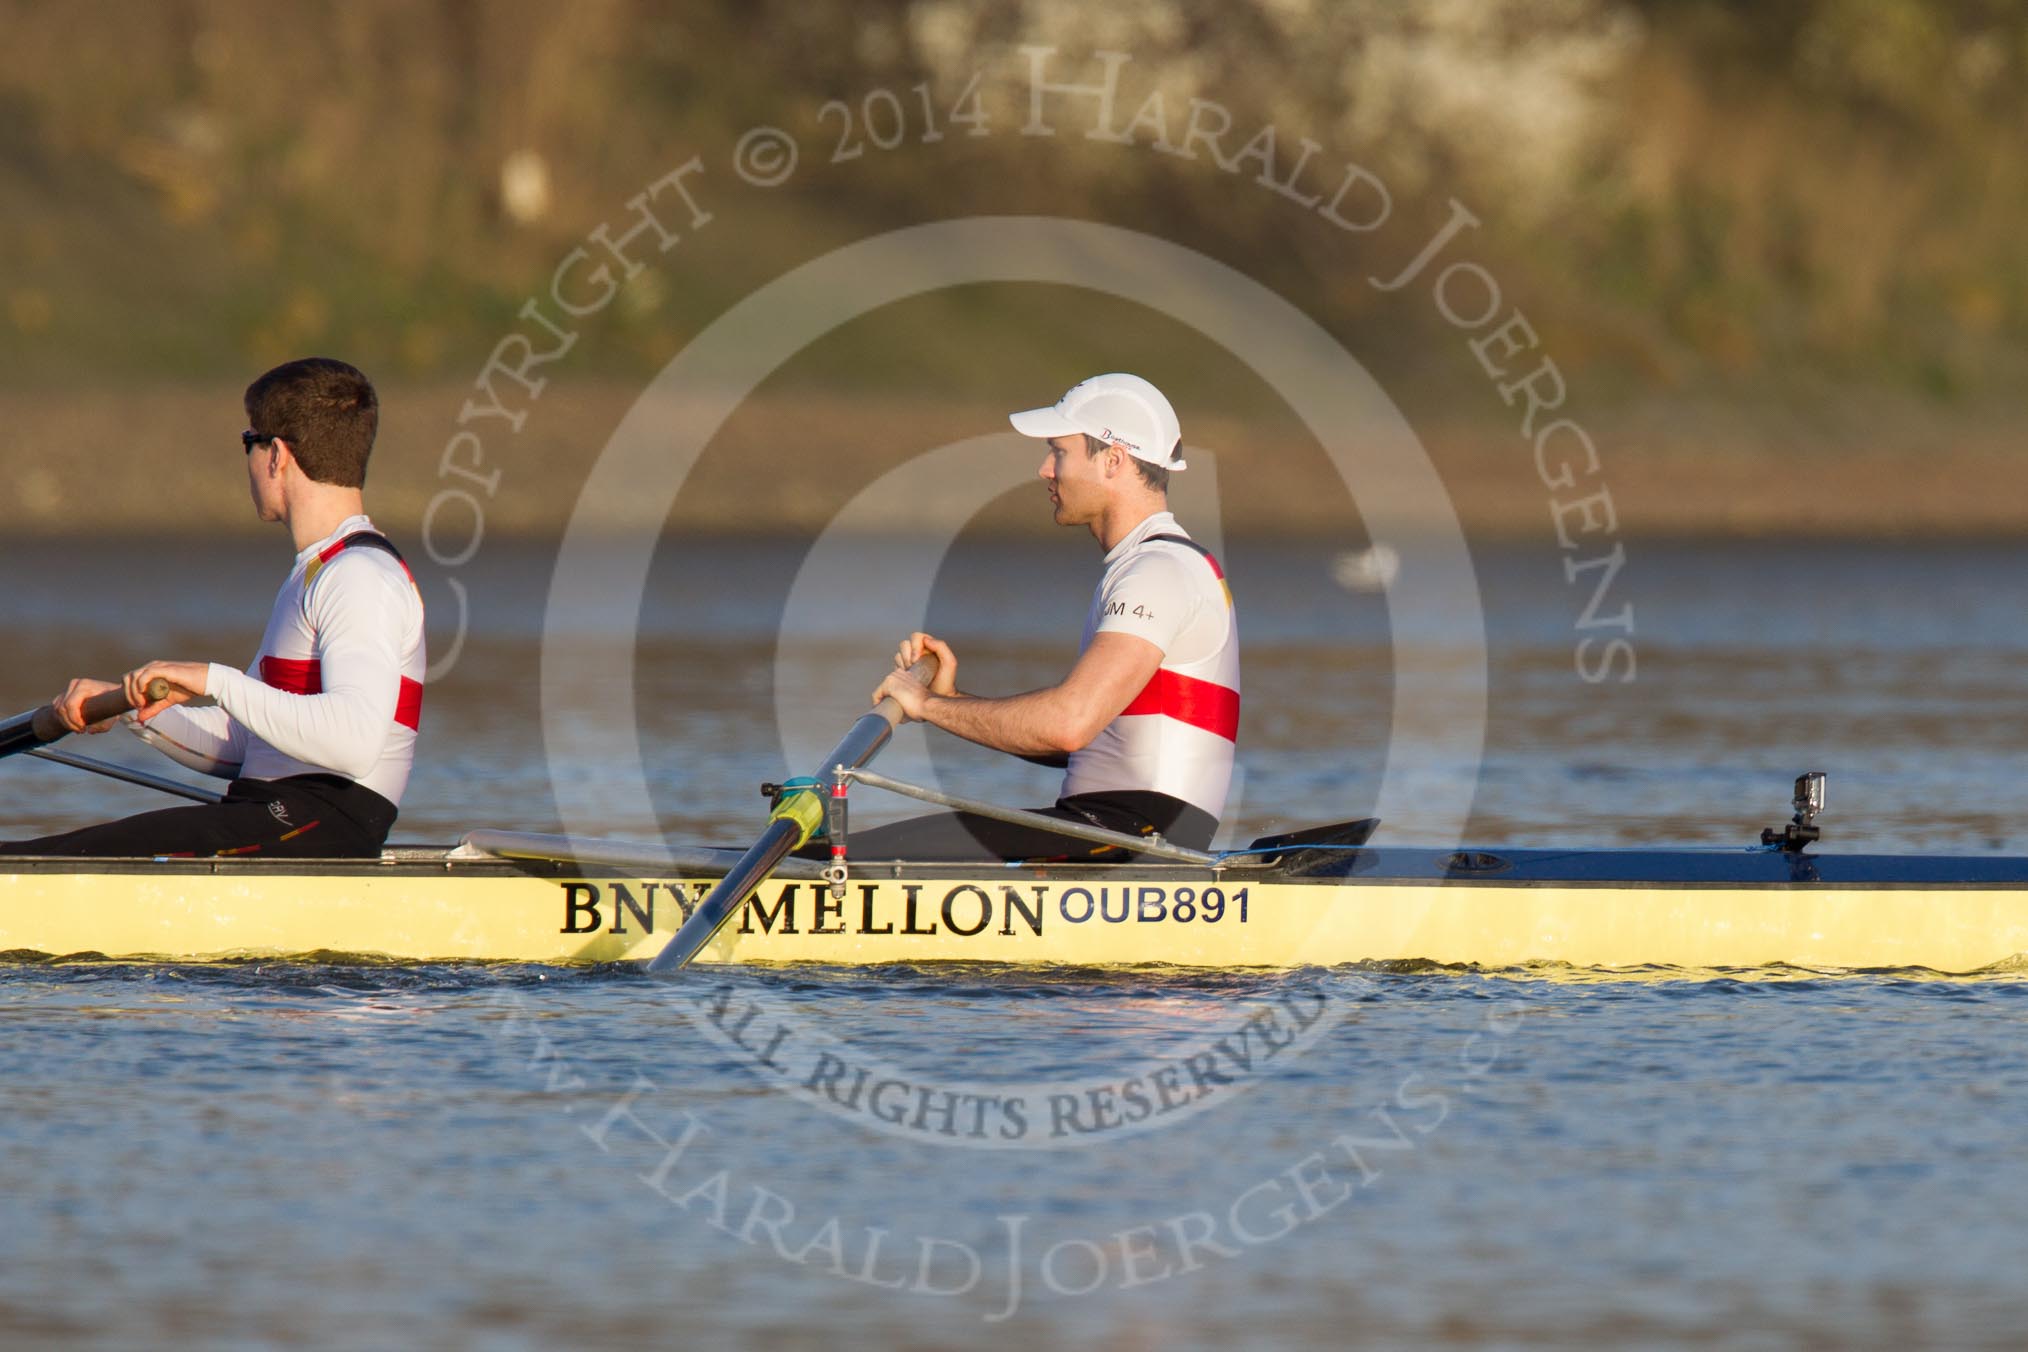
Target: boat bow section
pixel 1685 867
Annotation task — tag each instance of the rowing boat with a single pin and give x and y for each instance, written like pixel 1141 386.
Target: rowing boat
pixel 1327 905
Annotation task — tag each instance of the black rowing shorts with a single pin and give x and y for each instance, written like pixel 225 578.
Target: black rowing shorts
pixel 300 817
pixel 962 836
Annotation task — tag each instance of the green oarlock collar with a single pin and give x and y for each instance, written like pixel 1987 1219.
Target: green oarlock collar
pixel 801 801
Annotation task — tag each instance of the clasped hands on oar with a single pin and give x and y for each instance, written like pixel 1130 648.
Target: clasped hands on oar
pixel 185 681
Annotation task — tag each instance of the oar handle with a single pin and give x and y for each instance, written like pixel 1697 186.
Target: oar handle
pixel 872 729
pixel 106 704
pixel 925 671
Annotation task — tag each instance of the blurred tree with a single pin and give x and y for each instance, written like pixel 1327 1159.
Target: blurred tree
pixel 1706 187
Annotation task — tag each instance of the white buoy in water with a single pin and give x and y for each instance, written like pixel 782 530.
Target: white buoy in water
pixel 1372 569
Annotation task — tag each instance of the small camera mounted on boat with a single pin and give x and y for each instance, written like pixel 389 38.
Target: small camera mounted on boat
pixel 1808 802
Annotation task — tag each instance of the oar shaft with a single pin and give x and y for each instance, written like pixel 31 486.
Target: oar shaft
pixel 782 836
pixel 859 745
pixel 125 775
pixel 1152 848
pixel 692 861
pixel 41 726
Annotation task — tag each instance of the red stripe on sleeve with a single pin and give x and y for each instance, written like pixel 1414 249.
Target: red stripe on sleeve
pixel 300 677
pixel 295 675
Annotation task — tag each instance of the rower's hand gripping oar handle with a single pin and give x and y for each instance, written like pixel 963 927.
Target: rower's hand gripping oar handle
pixel 924 672
pixel 865 738
pixel 106 704
pixel 802 800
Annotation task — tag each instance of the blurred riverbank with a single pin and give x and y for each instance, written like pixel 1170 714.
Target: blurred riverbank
pixel 166 460
pixel 1774 253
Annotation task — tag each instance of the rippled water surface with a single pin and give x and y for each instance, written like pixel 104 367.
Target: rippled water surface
pixel 511 1157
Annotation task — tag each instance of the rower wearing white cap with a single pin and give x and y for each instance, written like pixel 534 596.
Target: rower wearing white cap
pixel 1146 721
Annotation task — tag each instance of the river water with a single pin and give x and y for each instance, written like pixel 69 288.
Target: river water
pixel 430 1156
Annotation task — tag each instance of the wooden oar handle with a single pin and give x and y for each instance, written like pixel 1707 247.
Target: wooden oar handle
pixel 106 704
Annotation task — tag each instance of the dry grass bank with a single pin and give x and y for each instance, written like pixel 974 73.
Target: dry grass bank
pixel 167 460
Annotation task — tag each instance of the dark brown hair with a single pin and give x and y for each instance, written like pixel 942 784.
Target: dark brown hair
pixel 325 409
pixel 1154 476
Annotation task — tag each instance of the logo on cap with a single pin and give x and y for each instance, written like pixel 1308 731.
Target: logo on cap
pixel 1101 404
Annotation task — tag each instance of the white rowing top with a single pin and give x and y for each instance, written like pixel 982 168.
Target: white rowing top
pixel 336 688
pixel 1178 735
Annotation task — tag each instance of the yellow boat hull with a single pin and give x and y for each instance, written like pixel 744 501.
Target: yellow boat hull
pixel 424 906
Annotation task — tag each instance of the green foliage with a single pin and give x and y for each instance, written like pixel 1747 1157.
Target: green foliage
pixel 1686 189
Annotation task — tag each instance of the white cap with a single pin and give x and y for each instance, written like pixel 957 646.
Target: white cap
pixel 1116 407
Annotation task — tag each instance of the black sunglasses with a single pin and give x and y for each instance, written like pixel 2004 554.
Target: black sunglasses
pixel 250 439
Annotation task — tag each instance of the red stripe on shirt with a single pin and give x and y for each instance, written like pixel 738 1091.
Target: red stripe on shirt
pixel 1201 704
pixel 306 677
pixel 408 704
pixel 295 675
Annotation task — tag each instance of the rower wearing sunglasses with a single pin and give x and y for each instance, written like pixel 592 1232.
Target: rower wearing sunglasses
pixel 317 735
